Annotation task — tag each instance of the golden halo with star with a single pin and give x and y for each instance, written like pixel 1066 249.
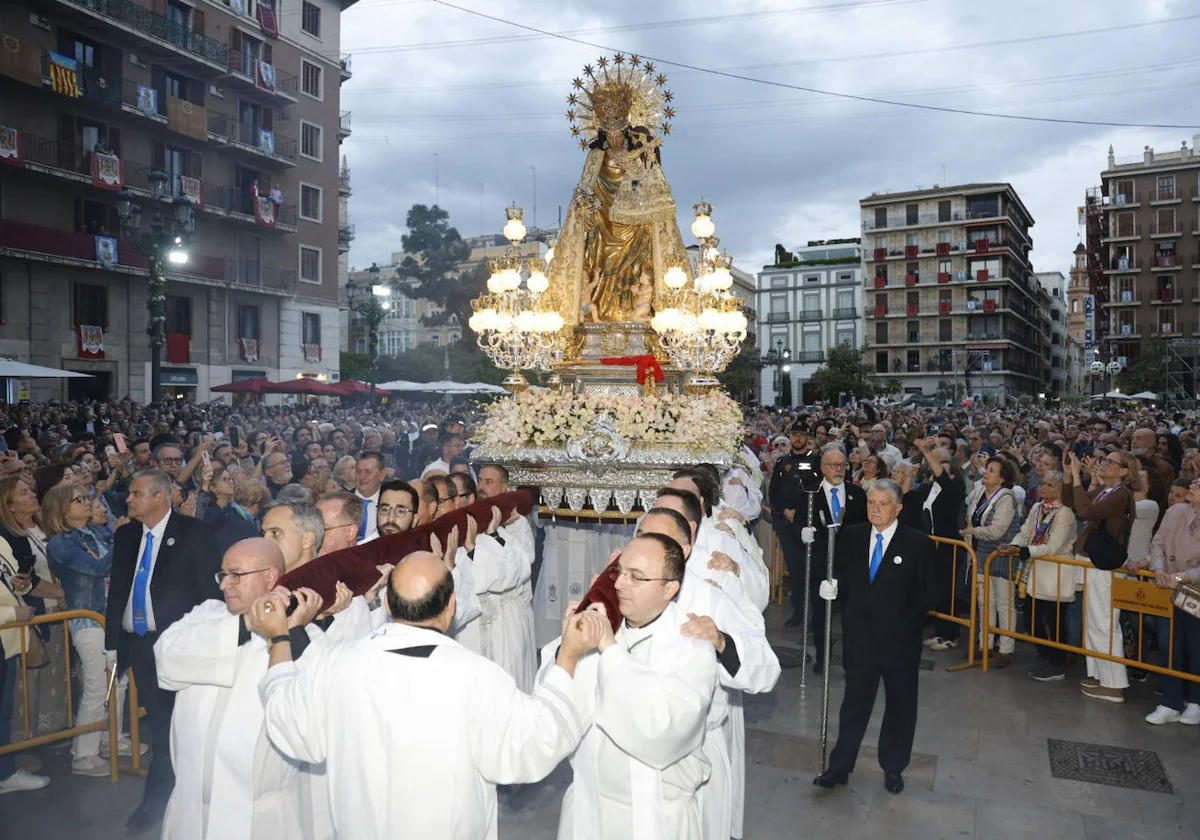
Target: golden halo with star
pixel 624 79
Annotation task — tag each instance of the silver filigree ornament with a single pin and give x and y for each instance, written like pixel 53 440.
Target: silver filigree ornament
pixel 600 443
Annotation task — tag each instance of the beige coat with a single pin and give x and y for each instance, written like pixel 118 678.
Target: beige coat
pixel 11 638
pixel 1175 548
pixel 1047 580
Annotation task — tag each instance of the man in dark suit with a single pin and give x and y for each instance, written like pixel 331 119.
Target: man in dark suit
pixel 936 508
pixel 885 590
pixel 837 502
pixel 164 564
pixel 787 497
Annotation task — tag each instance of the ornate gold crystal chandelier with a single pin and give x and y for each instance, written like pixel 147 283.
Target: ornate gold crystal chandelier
pixel 516 323
pixel 700 324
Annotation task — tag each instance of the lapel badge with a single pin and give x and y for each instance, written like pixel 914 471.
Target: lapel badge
pixel 171 541
pixel 897 560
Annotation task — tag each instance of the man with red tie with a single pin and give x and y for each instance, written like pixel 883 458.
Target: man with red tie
pixel 885 588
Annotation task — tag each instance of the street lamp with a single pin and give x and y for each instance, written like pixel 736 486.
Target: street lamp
pixel 373 301
pixel 779 356
pixel 165 242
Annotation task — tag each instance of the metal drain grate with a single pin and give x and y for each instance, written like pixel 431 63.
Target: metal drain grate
pixel 1105 765
pixel 789 657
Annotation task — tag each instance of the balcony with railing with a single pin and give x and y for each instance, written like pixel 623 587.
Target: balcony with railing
pixel 238 204
pixel 845 312
pixel 1123 265
pixel 810 356
pixel 899 221
pixel 1172 228
pixel 344 67
pixel 253 139
pixel 255 74
pixel 79 249
pixel 344 125
pixel 344 181
pixel 810 315
pixel 345 237
pixel 778 317
pixel 252 274
pixel 155 29
pixel 1161 196
pixel 1122 232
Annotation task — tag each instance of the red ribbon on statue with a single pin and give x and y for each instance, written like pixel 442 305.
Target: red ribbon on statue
pixel 645 365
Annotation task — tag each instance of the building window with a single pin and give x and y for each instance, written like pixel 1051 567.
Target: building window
pixel 881 361
pixel 249 322
pixel 310 203
pixel 310 19
pixel 812 278
pixel 779 282
pixel 911 214
pixel 846 277
pixel 310 140
pixel 881 243
pixel 311 79
pixel 845 301
pixel 91 305
pixel 945 330
pixel 845 335
pixel 812 304
pixel 881 217
pixel 179 314
pixel 944 236
pixel 912 239
pixel 310 328
pixel 310 265
pixel 881 332
pixel 1166 187
pixel 944 211
pixel 435 340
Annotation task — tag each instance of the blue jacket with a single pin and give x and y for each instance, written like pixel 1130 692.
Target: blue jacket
pixel 82 558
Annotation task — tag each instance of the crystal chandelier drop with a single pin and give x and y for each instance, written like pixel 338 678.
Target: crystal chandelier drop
pixel 700 324
pixel 516 323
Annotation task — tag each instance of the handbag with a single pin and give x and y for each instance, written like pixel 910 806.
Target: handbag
pixel 1107 552
pixel 36 655
pixel 1187 599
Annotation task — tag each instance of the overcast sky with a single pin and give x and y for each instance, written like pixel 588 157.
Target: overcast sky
pixel 779 165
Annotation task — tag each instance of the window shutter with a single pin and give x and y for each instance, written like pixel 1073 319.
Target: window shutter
pixel 267 53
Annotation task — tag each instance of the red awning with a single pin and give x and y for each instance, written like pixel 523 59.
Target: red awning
pixel 353 387
pixel 242 386
pixel 303 385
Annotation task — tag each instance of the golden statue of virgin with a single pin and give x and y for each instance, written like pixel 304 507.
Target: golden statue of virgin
pixel 620 235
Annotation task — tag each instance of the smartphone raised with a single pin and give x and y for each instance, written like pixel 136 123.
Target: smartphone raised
pixel 119 440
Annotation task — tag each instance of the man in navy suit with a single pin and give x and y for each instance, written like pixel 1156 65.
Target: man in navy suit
pixel 885 589
pixel 836 502
pixel 164 564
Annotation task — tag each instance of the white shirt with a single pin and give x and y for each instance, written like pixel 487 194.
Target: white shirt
pixel 841 490
pixel 372 512
pixel 888 533
pixel 158 531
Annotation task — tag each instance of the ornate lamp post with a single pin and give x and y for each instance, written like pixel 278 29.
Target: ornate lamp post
pixel 373 301
pixel 779 356
pixel 164 243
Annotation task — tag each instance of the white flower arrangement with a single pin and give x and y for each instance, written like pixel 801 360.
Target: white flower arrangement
pixel 540 418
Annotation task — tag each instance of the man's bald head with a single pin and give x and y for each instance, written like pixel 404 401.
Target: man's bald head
pixel 420 591
pixel 249 570
pixel 669 523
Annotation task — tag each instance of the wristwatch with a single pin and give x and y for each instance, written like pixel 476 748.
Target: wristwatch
pixel 284 637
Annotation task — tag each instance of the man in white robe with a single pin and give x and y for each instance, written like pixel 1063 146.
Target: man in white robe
pixel 503 565
pixel 742 491
pixel 644 700
pixel 416 731
pixel 713 535
pixel 230 783
pixel 748 665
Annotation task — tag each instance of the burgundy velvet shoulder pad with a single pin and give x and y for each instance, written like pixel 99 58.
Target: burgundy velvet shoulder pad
pixel 355 566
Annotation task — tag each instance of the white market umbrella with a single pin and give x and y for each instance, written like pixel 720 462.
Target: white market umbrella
pixel 443 386
pixel 1117 395
pixel 1145 395
pixel 10 369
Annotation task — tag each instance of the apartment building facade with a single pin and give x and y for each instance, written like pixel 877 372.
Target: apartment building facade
pixel 1149 250
pixel 1055 285
pixel 236 102
pixel 808 302
pixel 951 300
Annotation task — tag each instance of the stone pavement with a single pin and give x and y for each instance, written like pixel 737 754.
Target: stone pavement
pixel 981 769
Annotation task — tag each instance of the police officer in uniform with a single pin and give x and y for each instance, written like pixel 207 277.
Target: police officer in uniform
pixel 788 503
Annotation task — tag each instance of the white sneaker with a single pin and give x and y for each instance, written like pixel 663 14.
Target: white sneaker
pixel 22 781
pixel 1163 714
pixel 124 748
pixel 932 640
pixel 90 765
pixel 944 644
pixel 1191 714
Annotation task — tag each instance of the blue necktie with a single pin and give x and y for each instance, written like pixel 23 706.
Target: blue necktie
pixel 876 556
pixel 362 528
pixel 837 505
pixel 141 588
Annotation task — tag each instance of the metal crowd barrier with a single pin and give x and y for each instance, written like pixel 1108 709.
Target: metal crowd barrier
pixel 1134 592
pixel 971 621
pixel 111 723
pixel 776 567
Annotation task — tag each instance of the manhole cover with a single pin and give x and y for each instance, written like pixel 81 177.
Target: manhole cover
pixel 789 657
pixel 1105 765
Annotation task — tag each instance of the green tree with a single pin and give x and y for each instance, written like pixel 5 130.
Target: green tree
pixel 740 378
pixel 1147 373
pixel 845 373
pixel 436 263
